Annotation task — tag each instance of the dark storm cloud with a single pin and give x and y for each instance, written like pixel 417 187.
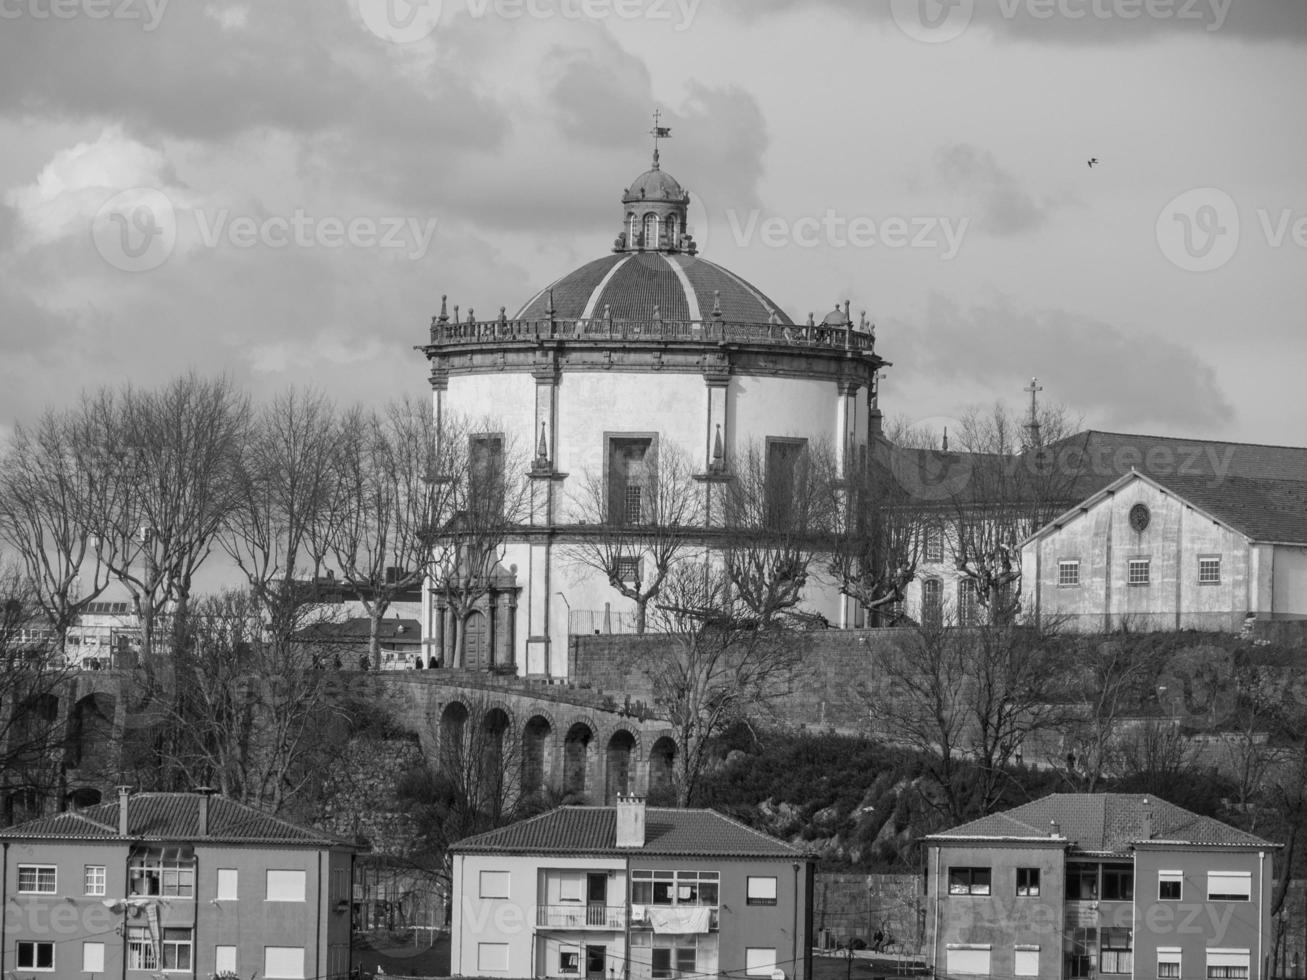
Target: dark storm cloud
pixel 1002 205
pixel 194 78
pixel 1116 376
pixel 1080 21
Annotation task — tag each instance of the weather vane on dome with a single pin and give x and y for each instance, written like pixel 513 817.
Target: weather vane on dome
pixel 659 133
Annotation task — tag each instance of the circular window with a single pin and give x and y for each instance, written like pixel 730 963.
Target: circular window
pixel 1139 517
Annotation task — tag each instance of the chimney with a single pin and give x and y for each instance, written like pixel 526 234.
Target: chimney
pixel 124 793
pixel 1148 820
pixel 204 793
pixel 630 821
pixel 1055 829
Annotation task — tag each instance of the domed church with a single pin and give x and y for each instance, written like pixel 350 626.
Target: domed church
pixel 644 352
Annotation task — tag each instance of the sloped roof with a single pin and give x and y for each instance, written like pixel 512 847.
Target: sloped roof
pixel 1103 822
pixel 171 817
pixel 1261 510
pixel 592 830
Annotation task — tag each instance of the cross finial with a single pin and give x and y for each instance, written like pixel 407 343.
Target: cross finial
pixel 1032 427
pixel 659 132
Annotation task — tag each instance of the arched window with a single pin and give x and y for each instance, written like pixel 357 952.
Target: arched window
pixel 633 228
pixel 651 230
pixel 932 602
pixel 968 608
pixel 673 231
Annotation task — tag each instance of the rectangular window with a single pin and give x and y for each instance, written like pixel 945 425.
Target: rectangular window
pixel 283 962
pixel 486 471
pixel 1081 882
pixel 36 956
pixel 176 946
pixel 285 886
pixel 140 949
pixel 1229 886
pixel 933 549
pixel 1227 964
pixel 1138 571
pixel 628 569
pixel 1117 951
pixel 92 957
pixel 630 478
pixel 495 884
pixel 493 957
pixel 1118 883
pixel 761 891
pixel 759 961
pixel 1068 573
pixel 94 878
pixel 1209 570
pixel 1028 881
pixel 37 879
pixel 1025 961
pixel 968 881
pixel 675 887
pixel 227 884
pixel 569 888
pixel 968 606
pixel 167 871
pixel 968 958
pixel 1081 952
pixel 569 960
pixel 1169 885
pixel 1168 962
pixel 786 460
pixel 224 959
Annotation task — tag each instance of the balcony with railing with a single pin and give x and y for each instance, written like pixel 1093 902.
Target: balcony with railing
pixel 448 333
pixel 646 916
pixel 598 917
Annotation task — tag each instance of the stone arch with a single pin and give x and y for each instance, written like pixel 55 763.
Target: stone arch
pixel 662 768
pixel 90 732
pixel 537 735
pixel 576 757
pixel 453 733
pixel 620 765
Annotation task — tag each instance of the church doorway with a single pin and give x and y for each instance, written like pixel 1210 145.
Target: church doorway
pixel 476 642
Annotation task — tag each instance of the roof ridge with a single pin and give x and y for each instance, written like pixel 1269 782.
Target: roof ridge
pixel 1217 442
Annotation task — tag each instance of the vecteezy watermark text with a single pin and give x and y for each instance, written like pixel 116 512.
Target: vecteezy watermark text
pixel 936 21
pixel 137 230
pixel 942 234
pixel 410 21
pixel 1202 229
pixel 148 12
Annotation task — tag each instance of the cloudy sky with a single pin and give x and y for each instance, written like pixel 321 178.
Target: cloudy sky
pixel 283 189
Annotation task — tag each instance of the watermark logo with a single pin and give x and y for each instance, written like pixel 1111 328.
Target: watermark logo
pixel 148 13
pixel 1199 231
pixel 401 21
pixel 932 21
pixel 933 472
pixel 136 229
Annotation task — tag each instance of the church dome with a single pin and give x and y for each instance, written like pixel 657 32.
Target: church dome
pixel 655 185
pixel 633 285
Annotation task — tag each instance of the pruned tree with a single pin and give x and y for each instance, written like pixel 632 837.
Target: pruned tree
pixel 163 467
pixel 719 668
pixel 637 551
pixel 1014 485
pixel 778 519
pixel 284 484
pixel 483 497
pixel 249 716
pixel 967 701
pixel 390 498
pixel 47 490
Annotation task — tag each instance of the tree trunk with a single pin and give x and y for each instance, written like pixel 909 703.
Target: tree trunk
pixel 641 614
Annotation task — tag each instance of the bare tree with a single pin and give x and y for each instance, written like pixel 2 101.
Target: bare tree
pixel 390 498
pixel 720 668
pixel 483 496
pixel 968 700
pixel 163 465
pixel 1014 485
pixel 283 487
pixel 637 553
pixel 249 716
pixel 46 490
pixel 778 522
pixel 32 689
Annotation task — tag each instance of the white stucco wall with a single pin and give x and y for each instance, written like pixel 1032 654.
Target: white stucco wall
pixel 1290 581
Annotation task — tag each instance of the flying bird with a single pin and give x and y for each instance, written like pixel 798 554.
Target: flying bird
pixel 1093 163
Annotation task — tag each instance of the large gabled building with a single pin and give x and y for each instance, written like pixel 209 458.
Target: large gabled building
pixel 178 884
pixel 1076 885
pixel 625 891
